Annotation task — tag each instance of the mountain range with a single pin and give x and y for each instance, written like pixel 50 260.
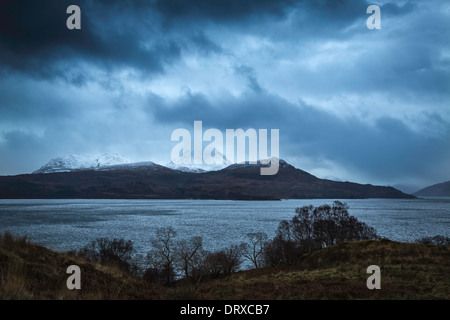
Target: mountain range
pixel 436 190
pixel 70 178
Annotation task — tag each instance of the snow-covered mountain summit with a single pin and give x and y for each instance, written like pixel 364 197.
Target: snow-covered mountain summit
pixel 82 162
pixel 200 168
pixel 185 167
pixel 106 162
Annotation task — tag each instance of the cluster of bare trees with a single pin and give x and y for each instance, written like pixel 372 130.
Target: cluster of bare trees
pixel 313 228
pixel 170 258
pixel 119 253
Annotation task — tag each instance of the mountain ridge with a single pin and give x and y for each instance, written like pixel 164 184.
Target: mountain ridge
pixel 148 180
pixel 436 190
pixel 80 162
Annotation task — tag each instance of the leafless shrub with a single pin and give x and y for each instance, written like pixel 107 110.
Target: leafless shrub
pixel 313 228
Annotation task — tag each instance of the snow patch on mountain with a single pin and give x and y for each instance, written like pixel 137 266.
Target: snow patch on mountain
pixel 106 162
pixel 199 168
pixel 185 168
pixel 82 162
pixel 203 167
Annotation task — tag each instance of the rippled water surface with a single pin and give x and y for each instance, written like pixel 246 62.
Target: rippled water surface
pixel 70 224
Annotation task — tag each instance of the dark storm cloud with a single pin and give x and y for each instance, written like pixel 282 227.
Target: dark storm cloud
pixel 115 34
pixel 373 102
pixel 320 15
pixel 34 39
pixel 221 10
pixel 33 36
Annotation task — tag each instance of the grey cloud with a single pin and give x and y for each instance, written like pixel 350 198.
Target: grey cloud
pixel 34 40
pixel 205 45
pixel 388 149
pixel 220 10
pixel 118 34
pixel 249 74
pixel 405 63
pixel 16 150
pixel 114 34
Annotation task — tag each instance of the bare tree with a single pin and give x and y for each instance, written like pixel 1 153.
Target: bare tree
pixel 118 252
pixel 302 227
pixel 313 228
pixel 162 255
pixel 253 250
pixel 278 250
pixel 223 262
pixel 187 253
pixel 333 225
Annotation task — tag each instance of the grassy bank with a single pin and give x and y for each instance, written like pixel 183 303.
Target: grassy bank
pixel 408 271
pixel 29 271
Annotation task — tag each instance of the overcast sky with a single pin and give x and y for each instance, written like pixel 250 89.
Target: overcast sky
pixel 370 106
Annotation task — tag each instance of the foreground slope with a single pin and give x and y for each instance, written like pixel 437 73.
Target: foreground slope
pixel 152 181
pixel 408 271
pixel 29 271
